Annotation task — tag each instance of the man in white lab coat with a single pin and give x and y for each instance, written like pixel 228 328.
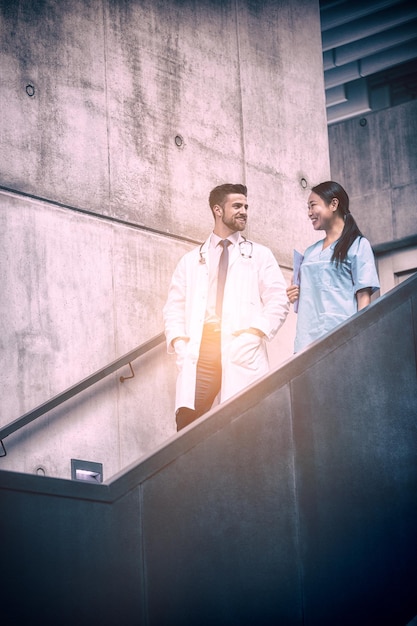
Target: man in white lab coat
pixel 220 352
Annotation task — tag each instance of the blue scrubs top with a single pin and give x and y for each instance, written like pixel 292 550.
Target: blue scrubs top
pixel 327 290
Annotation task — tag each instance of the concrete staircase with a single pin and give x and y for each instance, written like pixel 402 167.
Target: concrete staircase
pixel 292 504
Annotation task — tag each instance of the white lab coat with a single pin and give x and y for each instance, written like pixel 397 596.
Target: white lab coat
pixel 254 296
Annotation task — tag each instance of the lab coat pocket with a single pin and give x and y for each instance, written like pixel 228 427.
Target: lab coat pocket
pixel 245 351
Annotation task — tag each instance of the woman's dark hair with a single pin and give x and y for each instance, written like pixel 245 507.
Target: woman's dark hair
pixel 327 191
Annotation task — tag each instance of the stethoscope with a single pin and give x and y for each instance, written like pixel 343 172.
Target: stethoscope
pixel 245 249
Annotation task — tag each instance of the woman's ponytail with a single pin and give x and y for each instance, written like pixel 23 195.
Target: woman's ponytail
pixel 350 232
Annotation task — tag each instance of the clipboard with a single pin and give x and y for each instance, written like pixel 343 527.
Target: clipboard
pixel 297 260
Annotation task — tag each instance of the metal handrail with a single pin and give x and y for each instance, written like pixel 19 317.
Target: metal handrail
pixel 78 387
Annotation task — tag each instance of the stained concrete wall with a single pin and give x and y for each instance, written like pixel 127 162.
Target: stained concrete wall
pixel 79 292
pixel 293 503
pixel 114 83
pixel 117 119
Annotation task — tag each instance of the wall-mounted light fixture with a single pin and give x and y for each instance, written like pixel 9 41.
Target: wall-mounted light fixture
pixel 88 471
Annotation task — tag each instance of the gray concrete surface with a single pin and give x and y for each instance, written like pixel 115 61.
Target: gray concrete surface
pixel 114 83
pixel 376 161
pixel 80 293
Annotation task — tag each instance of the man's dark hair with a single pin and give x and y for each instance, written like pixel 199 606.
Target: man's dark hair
pixel 219 193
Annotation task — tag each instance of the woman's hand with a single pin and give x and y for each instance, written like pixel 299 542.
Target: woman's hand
pixel 293 293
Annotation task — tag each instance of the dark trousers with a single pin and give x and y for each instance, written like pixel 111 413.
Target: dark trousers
pixel 209 377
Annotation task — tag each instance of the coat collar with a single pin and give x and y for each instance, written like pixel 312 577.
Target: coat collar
pixel 235 238
pixel 234 253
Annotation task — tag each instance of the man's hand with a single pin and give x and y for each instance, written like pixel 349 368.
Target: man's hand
pixel 251 330
pixel 178 339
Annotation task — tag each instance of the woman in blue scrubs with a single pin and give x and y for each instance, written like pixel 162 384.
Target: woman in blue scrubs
pixel 338 273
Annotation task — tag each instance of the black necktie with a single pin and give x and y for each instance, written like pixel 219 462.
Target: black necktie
pixel 223 264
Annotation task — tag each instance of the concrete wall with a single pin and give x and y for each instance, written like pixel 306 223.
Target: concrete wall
pixel 114 83
pixel 375 158
pixel 117 120
pixel 78 292
pixel 293 503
